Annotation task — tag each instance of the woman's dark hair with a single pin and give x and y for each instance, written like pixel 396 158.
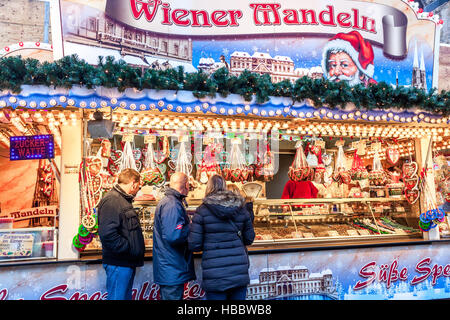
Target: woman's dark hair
pixel 215 183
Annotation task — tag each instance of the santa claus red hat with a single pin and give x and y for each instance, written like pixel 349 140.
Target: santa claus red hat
pixel 355 46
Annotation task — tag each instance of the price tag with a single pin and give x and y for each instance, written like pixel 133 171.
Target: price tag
pixel 236 141
pixel 352 233
pixel 149 139
pixel 208 141
pixel 308 235
pixel 128 137
pixel 333 233
pixel 363 232
pixel 320 144
pixel 375 146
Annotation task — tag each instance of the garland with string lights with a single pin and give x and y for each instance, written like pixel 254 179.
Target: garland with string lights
pixel 71 70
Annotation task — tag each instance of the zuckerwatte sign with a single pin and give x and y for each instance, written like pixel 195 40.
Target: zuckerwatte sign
pixel 354 41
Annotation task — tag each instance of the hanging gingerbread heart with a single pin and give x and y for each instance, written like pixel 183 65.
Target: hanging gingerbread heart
pixel 137 154
pixel 236 175
pixel 113 167
pixel 412 195
pixel 412 182
pixel 95 184
pixel 160 156
pixel 116 155
pixel 392 155
pixel 409 169
pixel 172 164
pixel 226 173
pixel 138 165
pixel 94 165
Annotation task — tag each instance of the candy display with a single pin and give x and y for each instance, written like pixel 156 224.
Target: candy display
pixel 237 170
pixel 209 164
pixel 350 186
pixel 300 169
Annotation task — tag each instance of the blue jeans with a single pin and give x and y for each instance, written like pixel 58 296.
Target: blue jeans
pixel 238 293
pixel 119 282
pixel 171 292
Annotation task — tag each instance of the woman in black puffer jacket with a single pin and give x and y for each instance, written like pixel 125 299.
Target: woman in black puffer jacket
pixel 224 260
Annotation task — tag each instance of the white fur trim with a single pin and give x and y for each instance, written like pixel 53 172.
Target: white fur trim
pixel 342 45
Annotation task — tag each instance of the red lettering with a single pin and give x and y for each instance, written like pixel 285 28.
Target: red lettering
pixel 404 274
pixel 166 14
pixel 355 19
pixel 148 8
pixel 422 269
pixel 3 294
pixel 437 272
pixel 217 16
pixel 205 18
pixel 58 289
pixel 178 19
pixel 97 296
pixel 311 13
pixel 234 16
pixel 291 17
pixel 447 271
pixel 342 18
pixel 330 14
pixel 393 274
pixel 383 273
pixel 79 296
pixel 142 291
pixel 366 274
pixel 193 292
pixel 365 23
pixel 266 9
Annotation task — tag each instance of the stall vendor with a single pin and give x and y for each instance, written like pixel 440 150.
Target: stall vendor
pixel 299 190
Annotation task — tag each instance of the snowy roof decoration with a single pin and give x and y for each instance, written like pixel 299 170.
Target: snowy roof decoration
pixel 281 268
pixel 206 61
pixel 267 270
pixel 317 69
pixel 240 54
pixel 283 58
pixel 262 55
pixel 300 268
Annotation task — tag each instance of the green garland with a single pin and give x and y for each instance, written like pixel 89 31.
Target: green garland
pixel 70 70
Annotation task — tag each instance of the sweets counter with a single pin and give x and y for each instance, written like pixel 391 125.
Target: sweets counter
pixel 304 222
pixel 309 220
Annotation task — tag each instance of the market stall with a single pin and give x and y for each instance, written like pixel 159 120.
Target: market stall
pixel 347 181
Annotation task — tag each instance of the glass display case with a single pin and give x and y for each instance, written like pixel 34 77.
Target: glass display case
pixel 26 244
pixel 279 221
pixel 345 218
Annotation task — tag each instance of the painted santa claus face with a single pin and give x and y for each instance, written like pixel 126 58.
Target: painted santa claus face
pixel 342 68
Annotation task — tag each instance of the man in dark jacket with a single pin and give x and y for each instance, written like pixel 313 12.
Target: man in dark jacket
pixel 121 236
pixel 173 263
pixel 224 260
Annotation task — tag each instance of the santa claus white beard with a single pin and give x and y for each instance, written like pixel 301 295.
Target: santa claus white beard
pixel 351 80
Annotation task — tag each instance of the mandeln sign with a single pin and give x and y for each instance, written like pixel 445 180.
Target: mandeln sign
pixel 355 41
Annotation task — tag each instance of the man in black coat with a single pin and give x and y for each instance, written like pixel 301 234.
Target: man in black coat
pixel 121 236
